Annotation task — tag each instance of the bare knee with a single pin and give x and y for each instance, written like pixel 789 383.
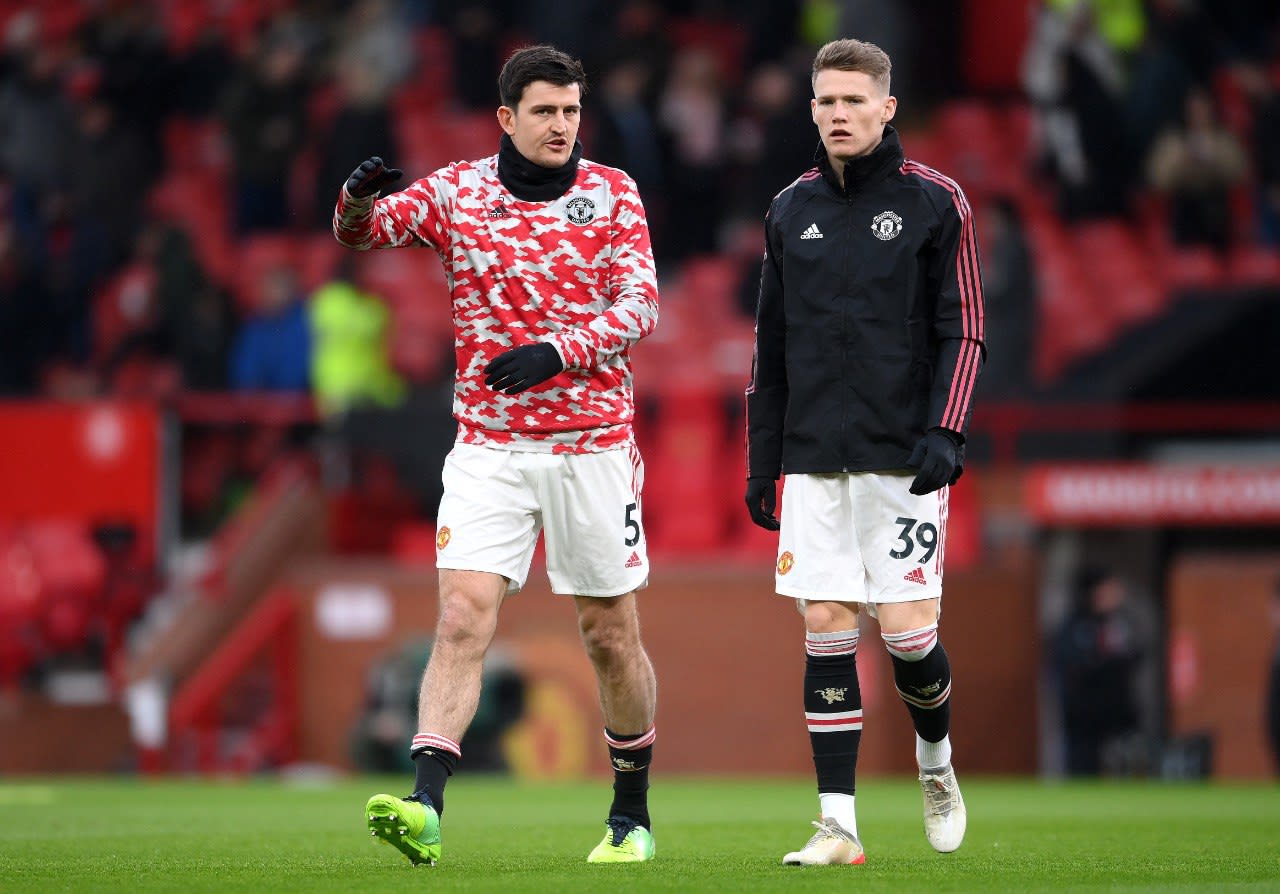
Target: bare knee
pixel 829 617
pixel 610 631
pixel 468 614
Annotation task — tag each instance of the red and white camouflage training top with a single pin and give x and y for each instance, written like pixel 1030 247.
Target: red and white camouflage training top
pixel 577 272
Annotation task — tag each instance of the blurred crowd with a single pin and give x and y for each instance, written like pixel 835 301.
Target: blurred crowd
pixel 168 167
pixel 1176 97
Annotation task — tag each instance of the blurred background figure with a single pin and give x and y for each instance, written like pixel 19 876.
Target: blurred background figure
pixel 1197 164
pixel 1009 285
pixel 390 712
pixel 1264 106
pixel 272 351
pixel 1075 79
pixel 265 111
pixel 692 112
pixel 1096 654
pixel 350 364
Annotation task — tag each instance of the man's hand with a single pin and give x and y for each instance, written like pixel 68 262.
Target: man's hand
pixel 762 499
pixel 371 177
pixel 521 368
pixel 935 457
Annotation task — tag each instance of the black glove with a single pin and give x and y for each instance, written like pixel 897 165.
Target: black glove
pixel 936 458
pixel 762 498
pixel 371 177
pixel 521 368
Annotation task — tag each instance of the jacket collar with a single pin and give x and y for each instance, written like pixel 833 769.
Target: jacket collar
pixel 866 169
pixel 530 182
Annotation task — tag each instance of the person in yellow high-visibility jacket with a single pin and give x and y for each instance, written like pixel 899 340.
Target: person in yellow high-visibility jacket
pixel 349 358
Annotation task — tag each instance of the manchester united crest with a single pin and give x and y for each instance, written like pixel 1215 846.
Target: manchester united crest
pixel 580 210
pixel 785 562
pixel 886 225
pixel 443 537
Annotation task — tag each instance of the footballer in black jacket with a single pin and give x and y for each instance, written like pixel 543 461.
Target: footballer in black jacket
pixel 869 341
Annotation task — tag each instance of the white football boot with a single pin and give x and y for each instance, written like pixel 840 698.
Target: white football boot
pixel 830 844
pixel 944 813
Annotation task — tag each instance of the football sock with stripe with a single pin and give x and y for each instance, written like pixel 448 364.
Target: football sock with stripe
pixel 630 757
pixel 434 760
pixel 922 675
pixel 833 711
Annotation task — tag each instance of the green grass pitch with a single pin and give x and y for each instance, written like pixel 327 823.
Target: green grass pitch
pixel 713 835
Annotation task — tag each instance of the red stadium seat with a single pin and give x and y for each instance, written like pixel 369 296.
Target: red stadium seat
pixel 1254 266
pixel 683 511
pixel 1192 268
pixel 709 284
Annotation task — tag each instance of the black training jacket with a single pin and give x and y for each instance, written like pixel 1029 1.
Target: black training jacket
pixel 869 327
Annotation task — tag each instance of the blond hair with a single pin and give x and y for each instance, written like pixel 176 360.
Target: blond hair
pixel 849 54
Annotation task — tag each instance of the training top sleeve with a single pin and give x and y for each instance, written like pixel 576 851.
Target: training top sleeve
pixel 767 394
pixel 958 322
pixel 417 215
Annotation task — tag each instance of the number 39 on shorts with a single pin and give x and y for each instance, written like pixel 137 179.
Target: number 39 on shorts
pixel 913 534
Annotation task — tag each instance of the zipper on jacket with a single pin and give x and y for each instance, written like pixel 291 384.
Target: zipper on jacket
pixel 846 235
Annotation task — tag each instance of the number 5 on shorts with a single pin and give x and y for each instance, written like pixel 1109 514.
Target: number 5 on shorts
pixel 632 526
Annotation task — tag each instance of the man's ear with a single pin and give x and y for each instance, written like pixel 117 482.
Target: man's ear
pixel 507 119
pixel 890 107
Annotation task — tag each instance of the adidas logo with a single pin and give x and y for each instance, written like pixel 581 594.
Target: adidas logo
pixel 915 576
pixel 634 562
pixel 812 232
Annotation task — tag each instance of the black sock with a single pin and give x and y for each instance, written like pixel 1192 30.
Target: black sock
pixel 925 688
pixel 433 767
pixel 833 709
pixel 630 776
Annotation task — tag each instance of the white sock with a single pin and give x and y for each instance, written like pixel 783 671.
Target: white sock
pixel 933 755
pixel 839 808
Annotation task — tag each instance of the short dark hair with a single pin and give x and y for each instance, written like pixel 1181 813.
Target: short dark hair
pixel 854 55
pixel 540 63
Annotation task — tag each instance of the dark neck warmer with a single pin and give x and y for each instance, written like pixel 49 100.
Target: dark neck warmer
pixel 866 168
pixel 531 182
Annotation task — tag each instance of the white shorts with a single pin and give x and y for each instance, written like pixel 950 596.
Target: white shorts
pixel 860 537
pixel 496 501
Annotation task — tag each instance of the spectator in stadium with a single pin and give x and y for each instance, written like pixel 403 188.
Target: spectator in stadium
pixel 869 341
pixel 37 129
pixel 770 139
pixel 196 312
pixel 272 351
pixel 553 281
pixel 1197 165
pixel 1096 654
pixel 350 365
pixel 1074 78
pixel 626 136
pixel 691 114
pixel 1264 101
pixel 1009 286
pixel 265 112
pixel 361 127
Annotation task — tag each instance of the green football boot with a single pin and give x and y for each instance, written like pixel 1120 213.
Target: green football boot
pixel 410 827
pixel 625 841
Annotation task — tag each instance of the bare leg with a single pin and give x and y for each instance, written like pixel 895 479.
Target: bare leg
pixel 469 603
pixel 610 631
